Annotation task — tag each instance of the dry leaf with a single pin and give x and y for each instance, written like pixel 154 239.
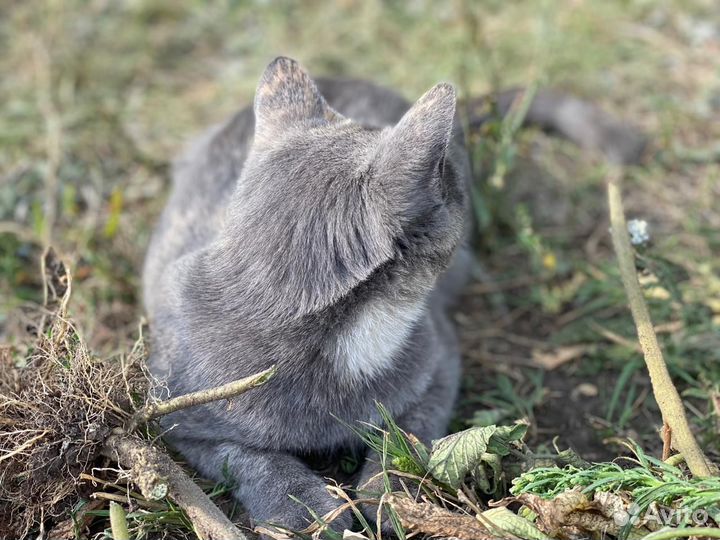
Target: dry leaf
pixel 557 357
pixel 436 521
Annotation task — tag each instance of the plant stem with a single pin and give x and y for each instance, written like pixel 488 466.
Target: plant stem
pixel 666 395
pixel 699 532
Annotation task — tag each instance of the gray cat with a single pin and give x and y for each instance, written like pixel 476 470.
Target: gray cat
pixel 321 231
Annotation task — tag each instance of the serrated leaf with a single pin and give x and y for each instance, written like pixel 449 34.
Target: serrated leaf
pixel 456 455
pixel 499 443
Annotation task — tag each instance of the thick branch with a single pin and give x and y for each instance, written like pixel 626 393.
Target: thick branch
pixel 156 475
pixel 201 397
pixel 666 395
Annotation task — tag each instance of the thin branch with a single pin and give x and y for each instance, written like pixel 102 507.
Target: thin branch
pixel 158 476
pixel 53 136
pixel 666 395
pixel 201 397
pixel 122 499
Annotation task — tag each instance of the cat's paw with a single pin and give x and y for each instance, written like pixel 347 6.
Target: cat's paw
pixel 283 516
pixel 280 526
pixel 372 485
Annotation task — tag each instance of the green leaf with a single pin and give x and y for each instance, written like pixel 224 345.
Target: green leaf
pixel 487 473
pixel 500 441
pixel 488 417
pixel 503 522
pixel 456 455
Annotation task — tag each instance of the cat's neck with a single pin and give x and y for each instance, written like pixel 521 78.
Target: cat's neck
pixel 371 339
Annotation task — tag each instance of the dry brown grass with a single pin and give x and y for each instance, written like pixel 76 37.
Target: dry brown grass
pixel 56 411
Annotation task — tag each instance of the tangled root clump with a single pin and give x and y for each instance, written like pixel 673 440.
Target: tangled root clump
pixel 55 414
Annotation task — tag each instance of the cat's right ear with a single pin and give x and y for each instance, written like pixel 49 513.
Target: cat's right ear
pixel 286 96
pixel 410 152
pixel 420 139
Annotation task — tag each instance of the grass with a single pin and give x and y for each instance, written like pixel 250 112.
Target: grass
pixel 650 481
pixel 96 98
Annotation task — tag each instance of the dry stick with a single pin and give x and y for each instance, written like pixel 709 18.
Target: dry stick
pixel 138 499
pixel 53 135
pixel 156 475
pixel 201 397
pixel 666 395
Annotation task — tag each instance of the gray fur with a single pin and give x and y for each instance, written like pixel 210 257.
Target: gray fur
pixel 281 247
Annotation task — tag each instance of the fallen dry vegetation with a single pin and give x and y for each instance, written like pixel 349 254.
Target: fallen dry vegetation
pixel 65 414
pixel 56 412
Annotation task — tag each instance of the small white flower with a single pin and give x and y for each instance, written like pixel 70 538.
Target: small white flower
pixel 638 230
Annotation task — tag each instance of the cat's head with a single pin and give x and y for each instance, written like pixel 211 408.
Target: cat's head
pixel 326 205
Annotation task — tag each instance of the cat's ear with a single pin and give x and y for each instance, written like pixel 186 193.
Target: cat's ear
pixel 286 96
pixel 419 141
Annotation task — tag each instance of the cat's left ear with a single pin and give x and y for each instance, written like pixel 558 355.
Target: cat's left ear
pixel 420 140
pixel 286 96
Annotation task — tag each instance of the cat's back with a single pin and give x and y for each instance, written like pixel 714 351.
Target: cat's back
pixel 367 103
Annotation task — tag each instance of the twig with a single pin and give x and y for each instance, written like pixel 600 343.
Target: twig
pixel 156 475
pixel 666 395
pixel 139 500
pixel 201 397
pixel 27 444
pixel 53 136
